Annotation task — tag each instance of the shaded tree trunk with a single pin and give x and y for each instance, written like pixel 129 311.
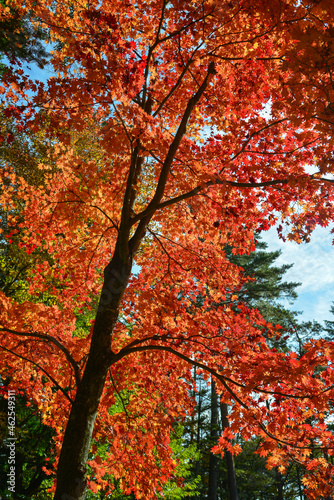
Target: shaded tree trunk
pixel 231 476
pixel 196 438
pixel 279 483
pixel 71 472
pixel 301 496
pixel 198 433
pixel 192 420
pixel 213 464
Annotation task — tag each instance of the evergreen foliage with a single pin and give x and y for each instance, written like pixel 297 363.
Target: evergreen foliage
pixel 265 290
pixel 19 41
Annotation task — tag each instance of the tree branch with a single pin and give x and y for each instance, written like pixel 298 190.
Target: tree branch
pixel 54 341
pixel 139 233
pixel 125 352
pixel 197 190
pixel 40 368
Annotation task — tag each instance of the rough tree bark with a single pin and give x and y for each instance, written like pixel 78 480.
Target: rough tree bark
pixel 71 474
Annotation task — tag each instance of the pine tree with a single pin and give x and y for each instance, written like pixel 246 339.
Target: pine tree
pixel 329 325
pixel 264 290
pixel 20 41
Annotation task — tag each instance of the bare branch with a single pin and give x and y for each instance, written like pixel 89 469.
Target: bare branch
pixel 119 394
pixel 177 84
pixel 150 52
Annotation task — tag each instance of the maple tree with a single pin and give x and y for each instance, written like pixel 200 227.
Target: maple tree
pixel 204 118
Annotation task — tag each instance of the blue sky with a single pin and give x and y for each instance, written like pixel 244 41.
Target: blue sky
pixel 313 267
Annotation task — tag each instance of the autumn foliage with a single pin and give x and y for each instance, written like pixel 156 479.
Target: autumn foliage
pixel 173 129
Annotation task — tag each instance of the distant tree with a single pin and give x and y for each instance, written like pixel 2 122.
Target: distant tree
pixel 329 325
pixel 264 290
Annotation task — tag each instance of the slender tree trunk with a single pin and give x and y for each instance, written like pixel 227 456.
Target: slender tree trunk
pixel 213 464
pixel 192 424
pixel 197 437
pixel 326 456
pixel 231 476
pixel 301 496
pixel 279 483
pixel 71 473
pixel 198 434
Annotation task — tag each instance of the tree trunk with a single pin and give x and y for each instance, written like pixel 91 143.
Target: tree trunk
pixel 213 464
pixel 279 482
pixel 231 477
pixel 301 495
pixel 198 434
pixel 71 473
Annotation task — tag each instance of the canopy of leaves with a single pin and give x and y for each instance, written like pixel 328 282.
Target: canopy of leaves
pixel 204 119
